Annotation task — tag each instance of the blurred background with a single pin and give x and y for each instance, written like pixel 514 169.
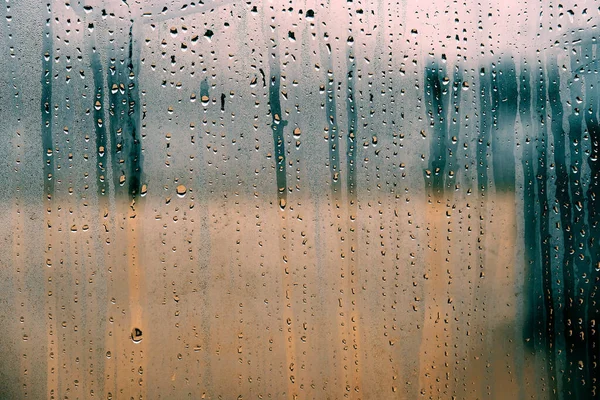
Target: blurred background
pixel 299 199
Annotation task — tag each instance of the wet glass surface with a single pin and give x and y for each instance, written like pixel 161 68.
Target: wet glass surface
pixel 299 200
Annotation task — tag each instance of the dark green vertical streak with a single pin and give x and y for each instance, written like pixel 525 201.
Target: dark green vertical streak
pixel 454 128
pixel 124 114
pixel 437 107
pixel 484 129
pixel 562 195
pixel 330 113
pixel 495 137
pixel 576 350
pixel 46 109
pixel 504 100
pixel 351 138
pixel 133 142
pixel 547 328
pixel 100 128
pixel 530 218
pixel 115 118
pixel 277 125
pixel 592 312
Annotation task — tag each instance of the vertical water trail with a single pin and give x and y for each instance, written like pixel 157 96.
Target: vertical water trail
pixel 454 125
pixel 353 315
pixel 565 209
pixel 125 141
pixel 126 282
pixel 483 165
pixel 99 123
pixel 115 111
pixel 332 128
pixel 135 213
pixel 483 142
pixel 277 126
pixel 352 130
pixel 132 138
pixel 547 327
pixel 436 94
pixel 576 351
pixel 504 102
pixel 102 186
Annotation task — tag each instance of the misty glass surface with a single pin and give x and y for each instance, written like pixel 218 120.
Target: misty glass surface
pixel 387 199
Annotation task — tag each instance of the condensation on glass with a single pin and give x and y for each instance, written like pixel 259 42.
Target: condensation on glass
pixel 299 199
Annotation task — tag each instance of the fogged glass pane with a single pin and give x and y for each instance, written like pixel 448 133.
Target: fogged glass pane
pixel 299 199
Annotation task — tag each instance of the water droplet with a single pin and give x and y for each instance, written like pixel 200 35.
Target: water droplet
pixel 136 335
pixel 181 190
